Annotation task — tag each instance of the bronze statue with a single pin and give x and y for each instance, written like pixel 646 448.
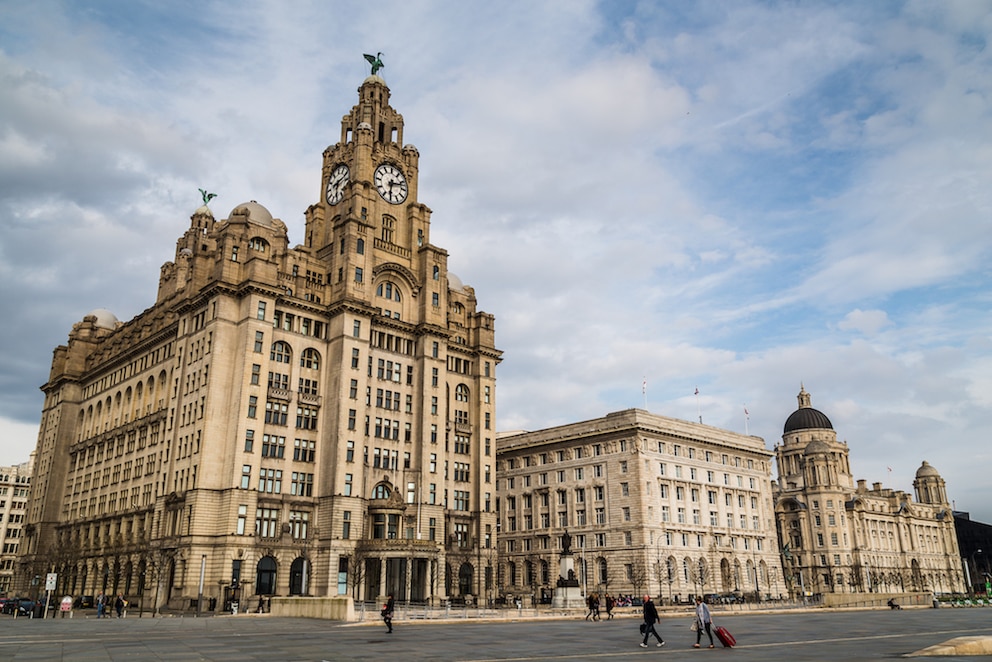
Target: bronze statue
pixel 207 197
pixel 566 543
pixel 375 61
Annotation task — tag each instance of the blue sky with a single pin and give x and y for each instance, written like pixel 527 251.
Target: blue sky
pixel 737 196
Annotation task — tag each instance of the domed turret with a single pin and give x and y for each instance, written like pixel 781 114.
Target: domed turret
pixel 806 418
pixel 104 318
pixel 255 212
pixel 929 486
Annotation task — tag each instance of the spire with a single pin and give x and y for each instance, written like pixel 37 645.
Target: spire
pixel 804 397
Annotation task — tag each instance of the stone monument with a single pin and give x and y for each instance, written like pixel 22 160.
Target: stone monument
pixel 568 592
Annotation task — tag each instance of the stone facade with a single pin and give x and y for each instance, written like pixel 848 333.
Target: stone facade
pixel 15 487
pixel 839 536
pixel 316 419
pixel 652 505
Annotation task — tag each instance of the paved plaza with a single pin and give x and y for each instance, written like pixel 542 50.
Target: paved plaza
pixel 815 635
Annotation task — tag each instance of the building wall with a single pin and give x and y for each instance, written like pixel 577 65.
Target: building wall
pixel 652 504
pixel 15 487
pixel 316 419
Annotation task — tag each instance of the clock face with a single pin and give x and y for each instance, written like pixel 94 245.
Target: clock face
pixel 391 183
pixel 336 184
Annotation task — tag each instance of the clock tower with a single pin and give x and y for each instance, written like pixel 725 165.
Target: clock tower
pixel 424 377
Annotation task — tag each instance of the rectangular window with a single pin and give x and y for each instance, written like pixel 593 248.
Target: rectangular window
pixel 270 481
pixel 261 310
pixel 302 484
pixel 267 522
pixel 305 450
pixel 242 518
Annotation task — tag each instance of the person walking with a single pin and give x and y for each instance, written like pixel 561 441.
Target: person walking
pixel 703 621
pixel 595 606
pixel 650 618
pixel 119 605
pixel 387 614
pixel 101 605
pixel 610 603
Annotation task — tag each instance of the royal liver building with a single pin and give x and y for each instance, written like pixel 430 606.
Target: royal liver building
pixel 308 420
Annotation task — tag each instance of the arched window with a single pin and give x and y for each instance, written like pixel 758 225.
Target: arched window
pixel 281 352
pixel 603 577
pixel 310 358
pixel 388 290
pixel 361 247
pixel 380 491
pixel 461 393
pixel 512 571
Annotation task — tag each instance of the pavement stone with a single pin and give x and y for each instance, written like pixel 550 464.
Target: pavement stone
pixel 809 635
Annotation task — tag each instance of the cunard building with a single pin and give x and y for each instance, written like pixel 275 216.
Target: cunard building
pixel 316 419
pixel 651 505
pixel 839 536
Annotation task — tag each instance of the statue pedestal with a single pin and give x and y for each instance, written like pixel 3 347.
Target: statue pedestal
pixel 568 593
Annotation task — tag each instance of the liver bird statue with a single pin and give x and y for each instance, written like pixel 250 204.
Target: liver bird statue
pixel 375 61
pixel 207 197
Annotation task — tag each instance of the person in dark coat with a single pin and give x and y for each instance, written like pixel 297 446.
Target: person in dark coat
pixel 119 605
pixel 387 614
pixel 650 618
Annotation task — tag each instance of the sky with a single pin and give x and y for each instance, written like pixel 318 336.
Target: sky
pixel 740 197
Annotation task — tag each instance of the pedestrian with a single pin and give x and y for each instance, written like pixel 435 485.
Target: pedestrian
pixel 703 621
pixel 595 607
pixel 387 614
pixel 119 605
pixel 610 603
pixel 101 605
pixel 589 606
pixel 650 618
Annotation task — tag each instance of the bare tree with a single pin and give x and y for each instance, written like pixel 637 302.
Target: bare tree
pixel 699 574
pixel 637 576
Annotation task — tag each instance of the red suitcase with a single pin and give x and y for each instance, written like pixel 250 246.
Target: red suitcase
pixel 723 634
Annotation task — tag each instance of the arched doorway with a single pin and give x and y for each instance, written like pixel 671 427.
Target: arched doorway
pixel 265 576
pixel 298 572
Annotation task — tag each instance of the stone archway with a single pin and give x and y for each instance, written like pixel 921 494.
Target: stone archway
pixel 297 576
pixel 265 576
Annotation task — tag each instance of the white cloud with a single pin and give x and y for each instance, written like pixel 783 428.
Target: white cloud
pixel 740 197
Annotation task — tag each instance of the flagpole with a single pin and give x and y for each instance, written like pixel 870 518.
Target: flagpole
pixel 698 412
pixel 746 433
pixel 644 392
